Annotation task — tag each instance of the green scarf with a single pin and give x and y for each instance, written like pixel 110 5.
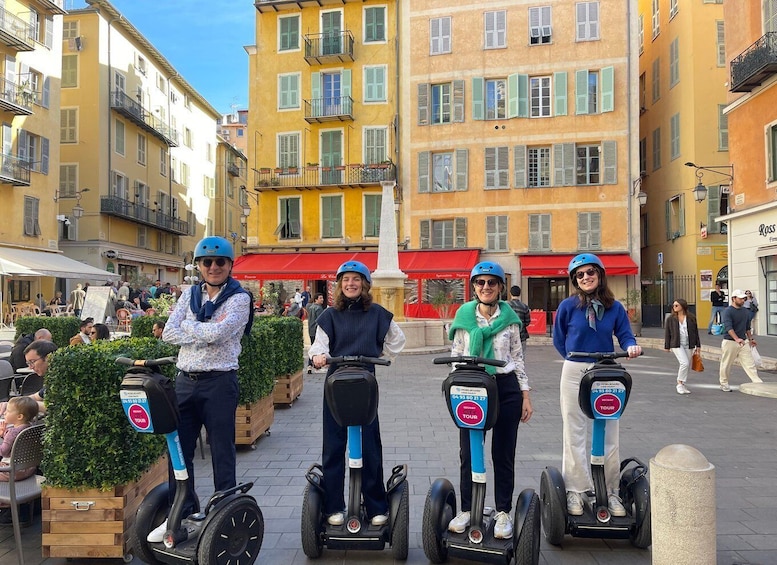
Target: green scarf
pixel 481 341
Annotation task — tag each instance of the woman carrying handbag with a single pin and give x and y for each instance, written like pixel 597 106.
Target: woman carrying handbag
pixel 681 335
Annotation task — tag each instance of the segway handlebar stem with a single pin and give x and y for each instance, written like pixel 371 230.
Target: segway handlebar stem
pixel 146 362
pixel 469 360
pixel 357 360
pixel 598 356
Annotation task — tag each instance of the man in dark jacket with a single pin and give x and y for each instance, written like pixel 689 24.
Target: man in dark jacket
pixel 314 310
pixel 523 314
pixel 17 353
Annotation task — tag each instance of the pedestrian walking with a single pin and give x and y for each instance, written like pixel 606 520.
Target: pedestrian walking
pixel 718 300
pixel 681 335
pixel 77 299
pixel 737 341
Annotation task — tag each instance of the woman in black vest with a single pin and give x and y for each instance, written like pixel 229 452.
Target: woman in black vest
pixel 354 326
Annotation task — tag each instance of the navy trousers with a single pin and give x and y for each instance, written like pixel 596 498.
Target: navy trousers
pixel 210 401
pixel 503 441
pixel 373 489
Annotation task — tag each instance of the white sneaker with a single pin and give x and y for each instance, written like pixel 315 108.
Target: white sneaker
pixel 682 389
pixel 725 388
pixel 504 526
pixel 615 505
pixel 336 519
pixel 574 504
pixel 459 523
pixel 157 535
pixel 379 520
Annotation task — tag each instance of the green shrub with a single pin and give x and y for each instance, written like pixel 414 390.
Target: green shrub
pixel 141 326
pixel 62 328
pixel 88 442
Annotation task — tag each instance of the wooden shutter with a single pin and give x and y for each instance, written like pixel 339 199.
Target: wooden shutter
pixel 426 226
pixel 713 208
pixel 423 104
pixel 535 241
pixel 423 171
pixel 345 83
pixel 610 155
pixel 503 166
pixel 563 164
pixel 460 230
pixel 29 220
pixel 523 96
pixel 44 155
pixel 560 94
pixel 478 92
pixel 668 219
pixel 519 166
pixel 581 92
pixel 458 101
pixel 49 32
pixel 21 146
pixel 595 230
pixel 608 89
pixel 462 169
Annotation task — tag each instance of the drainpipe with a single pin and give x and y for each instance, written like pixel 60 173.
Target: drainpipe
pixel 630 187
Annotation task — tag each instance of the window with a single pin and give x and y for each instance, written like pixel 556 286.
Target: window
pixel 140 64
pixel 539 166
pixel 375 149
pixel 496 99
pixel 674 62
pixel 772 141
pixel 675 217
pixel 444 234
pixel 332 216
pixel 496 233
pixel 34 150
pixel 118 137
pixel 288 150
pixel 31 224
pixel 656 149
pixel 674 129
pixel 209 151
pixel 119 186
pixel 375 83
pixel 372 204
pixel 672 8
pixel 642 93
pixel 717 205
pixel 720 38
pixel 540 30
pixel 587 93
pixel 163 161
pixel 442 172
pixel 643 156
pixel 641 31
pixel 288 33
pixel 161 83
pixel 589 231
pixel 69 30
pixel 142 237
pixel 440 35
pixel 587 164
pixel 587 14
pixel 444 101
pixel 288 91
pixel 441 103
pixel 539 232
pixel 289 226
pixel 496 29
pixel 656 19
pixel 142 149
pixel 68 181
pixel 722 128
pixel 539 92
pixel 34 24
pixel 375 24
pixel 656 79
pixel 187 137
pixel 69 71
pixel 185 178
pixel 449 171
pixel 68 125
pixel 497 167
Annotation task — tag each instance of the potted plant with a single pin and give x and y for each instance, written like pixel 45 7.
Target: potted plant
pixel 633 304
pixel 442 302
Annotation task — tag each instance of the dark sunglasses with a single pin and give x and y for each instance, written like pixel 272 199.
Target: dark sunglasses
pixel 220 262
pixel 589 272
pixel 486 282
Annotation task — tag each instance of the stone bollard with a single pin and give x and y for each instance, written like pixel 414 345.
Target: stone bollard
pixel 683 511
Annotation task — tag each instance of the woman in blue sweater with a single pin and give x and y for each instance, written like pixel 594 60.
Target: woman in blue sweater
pixel 587 321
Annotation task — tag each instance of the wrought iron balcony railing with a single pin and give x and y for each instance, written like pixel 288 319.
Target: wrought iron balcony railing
pixel 321 48
pixel 315 176
pixel 14 171
pixel 15 32
pixel 329 109
pixel 123 208
pixel 16 99
pixel 135 112
pixel 233 169
pixel 755 64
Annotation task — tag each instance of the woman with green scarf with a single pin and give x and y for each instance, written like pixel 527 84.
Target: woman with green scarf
pixel 488 327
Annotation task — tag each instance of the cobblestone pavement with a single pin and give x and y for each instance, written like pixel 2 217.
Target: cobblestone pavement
pixel 736 432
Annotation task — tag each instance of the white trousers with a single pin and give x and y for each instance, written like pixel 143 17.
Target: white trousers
pixel 576 428
pixel 683 355
pixel 730 352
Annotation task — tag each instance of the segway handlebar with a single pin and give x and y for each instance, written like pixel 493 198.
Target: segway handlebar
pixel 358 359
pixel 147 362
pixel 470 360
pixel 599 356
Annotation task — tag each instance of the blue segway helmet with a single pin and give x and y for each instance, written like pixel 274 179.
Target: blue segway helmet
pixel 214 246
pixel 487 268
pixel 582 260
pixel 354 267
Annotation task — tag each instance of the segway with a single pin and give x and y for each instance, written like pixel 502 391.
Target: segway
pixel 473 401
pixel 604 393
pixel 351 392
pixel 228 531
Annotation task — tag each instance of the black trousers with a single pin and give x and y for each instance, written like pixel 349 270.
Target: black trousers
pixel 503 440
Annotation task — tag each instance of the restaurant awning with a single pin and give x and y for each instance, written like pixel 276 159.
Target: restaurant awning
pixel 53 264
pixel 425 264
pixel 557 265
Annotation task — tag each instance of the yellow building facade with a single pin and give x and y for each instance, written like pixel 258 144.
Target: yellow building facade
pixel 682 100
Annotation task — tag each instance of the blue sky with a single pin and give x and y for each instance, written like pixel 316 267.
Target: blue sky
pixel 203 40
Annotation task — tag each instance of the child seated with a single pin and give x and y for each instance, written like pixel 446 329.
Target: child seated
pixel 19 414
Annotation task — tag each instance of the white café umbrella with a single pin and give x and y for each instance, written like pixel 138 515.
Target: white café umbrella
pixel 10 268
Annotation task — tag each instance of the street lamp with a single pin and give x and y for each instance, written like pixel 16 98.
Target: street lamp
pixel 78 210
pixel 700 191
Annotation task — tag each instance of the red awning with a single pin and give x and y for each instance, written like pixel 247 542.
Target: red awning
pixel 426 264
pixel 557 265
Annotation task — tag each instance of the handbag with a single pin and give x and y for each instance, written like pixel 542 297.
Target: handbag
pixel 696 363
pixel 717 329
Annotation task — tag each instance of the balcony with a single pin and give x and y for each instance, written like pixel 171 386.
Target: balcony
pixel 329 109
pixel 755 64
pixel 14 171
pixel 122 208
pixel 15 32
pixel 323 48
pixel 16 99
pixel 233 170
pixel 264 6
pixel 56 7
pixel 137 114
pixel 313 176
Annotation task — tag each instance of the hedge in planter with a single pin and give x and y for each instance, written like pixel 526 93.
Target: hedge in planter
pixel 88 442
pixel 62 328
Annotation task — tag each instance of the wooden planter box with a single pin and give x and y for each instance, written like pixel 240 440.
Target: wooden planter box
pixel 252 420
pixel 94 523
pixel 287 388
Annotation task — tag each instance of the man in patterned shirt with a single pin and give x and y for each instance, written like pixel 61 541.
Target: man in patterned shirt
pixel 208 323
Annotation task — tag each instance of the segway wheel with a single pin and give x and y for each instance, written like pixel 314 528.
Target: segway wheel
pixel 439 510
pixel 310 528
pixel 400 528
pixel 151 512
pixel 234 534
pixel 526 541
pixel 641 535
pixel 554 505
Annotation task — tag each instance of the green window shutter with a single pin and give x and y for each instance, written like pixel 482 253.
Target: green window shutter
pixel 423 104
pixel 569 164
pixel 460 228
pixel 478 87
pixel 345 82
pixel 682 214
pixel 523 96
pixel 519 165
pixel 512 96
pixel 581 92
pixel 610 151
pixel 558 164
pixel 560 93
pixel 458 101
pixel 713 209
pixel 462 172
pixel 668 219
pixel 608 89
pixel 315 87
pixel 423 171
pixel 426 227
pixel 44 155
pixel 379 77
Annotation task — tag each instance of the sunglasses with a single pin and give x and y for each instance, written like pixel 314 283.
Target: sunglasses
pixel 487 282
pixel 588 272
pixel 220 262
